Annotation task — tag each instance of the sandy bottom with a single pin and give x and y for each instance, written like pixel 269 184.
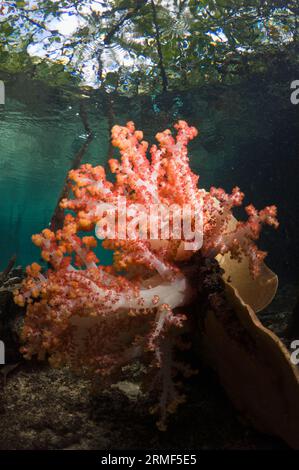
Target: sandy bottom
pixel 43 408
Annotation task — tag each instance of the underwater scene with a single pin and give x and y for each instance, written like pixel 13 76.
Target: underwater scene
pixel 149 280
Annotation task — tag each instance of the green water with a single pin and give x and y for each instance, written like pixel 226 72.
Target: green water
pixel 248 137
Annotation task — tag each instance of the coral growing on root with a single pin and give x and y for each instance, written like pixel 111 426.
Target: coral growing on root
pixel 97 318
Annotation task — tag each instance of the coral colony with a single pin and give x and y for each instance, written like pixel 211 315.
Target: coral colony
pixel 98 319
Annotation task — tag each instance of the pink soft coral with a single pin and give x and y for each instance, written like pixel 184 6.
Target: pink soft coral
pixel 91 317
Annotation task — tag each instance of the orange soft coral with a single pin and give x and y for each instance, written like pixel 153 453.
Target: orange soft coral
pixel 95 319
